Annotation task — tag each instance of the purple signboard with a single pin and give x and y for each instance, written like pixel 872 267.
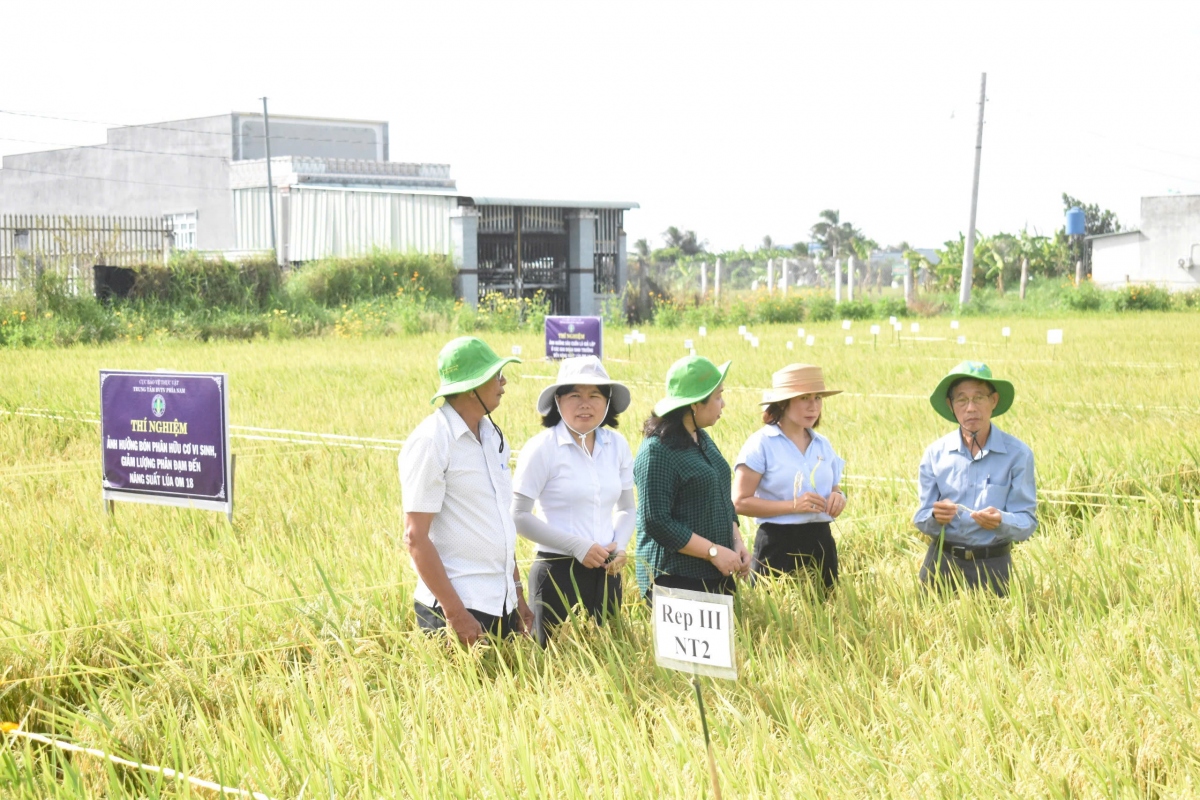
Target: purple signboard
pixel 164 438
pixel 574 336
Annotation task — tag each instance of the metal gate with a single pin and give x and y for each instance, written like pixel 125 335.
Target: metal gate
pixel 523 251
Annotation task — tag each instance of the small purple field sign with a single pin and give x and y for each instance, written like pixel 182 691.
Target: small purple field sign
pixel 164 439
pixel 574 336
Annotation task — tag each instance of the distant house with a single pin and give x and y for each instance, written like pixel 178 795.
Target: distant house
pixel 335 193
pixel 1164 250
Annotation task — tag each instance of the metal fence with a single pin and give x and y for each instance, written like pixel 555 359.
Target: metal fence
pixel 70 246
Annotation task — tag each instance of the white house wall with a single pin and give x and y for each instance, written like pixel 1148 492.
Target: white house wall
pixel 1116 260
pixel 1170 227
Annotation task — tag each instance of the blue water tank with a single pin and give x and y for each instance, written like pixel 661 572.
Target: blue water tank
pixel 1076 226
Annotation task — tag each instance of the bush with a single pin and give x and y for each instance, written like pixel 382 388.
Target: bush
pixel 781 309
pixel 1186 300
pixel 892 307
pixel 667 314
pixel 192 281
pixel 1087 297
pixel 855 309
pixel 1141 298
pixel 334 282
pixel 822 309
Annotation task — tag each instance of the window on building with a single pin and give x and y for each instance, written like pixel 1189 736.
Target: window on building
pixel 184 228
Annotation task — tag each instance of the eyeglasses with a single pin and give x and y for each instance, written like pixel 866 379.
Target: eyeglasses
pixel 978 400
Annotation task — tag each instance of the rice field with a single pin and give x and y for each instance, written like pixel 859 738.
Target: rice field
pixel 278 655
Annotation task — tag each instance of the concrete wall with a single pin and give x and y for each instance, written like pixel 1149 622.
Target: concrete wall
pixel 173 167
pixel 1170 232
pixel 1116 260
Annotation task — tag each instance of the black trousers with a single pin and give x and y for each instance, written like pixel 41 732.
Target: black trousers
pixel 723 585
pixel 794 548
pixel 431 620
pixel 941 570
pixel 558 583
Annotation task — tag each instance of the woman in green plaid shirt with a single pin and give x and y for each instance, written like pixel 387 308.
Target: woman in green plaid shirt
pixel 688 535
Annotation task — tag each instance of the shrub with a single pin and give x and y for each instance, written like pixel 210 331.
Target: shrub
pixel 192 280
pixel 1087 297
pixel 667 314
pixel 1190 299
pixel 1141 298
pixel 855 309
pixel 333 282
pixel 892 307
pixel 822 309
pixel 781 309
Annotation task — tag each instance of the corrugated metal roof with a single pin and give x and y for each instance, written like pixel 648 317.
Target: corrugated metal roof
pixel 624 205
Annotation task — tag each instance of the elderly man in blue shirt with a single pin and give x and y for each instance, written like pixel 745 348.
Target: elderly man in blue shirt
pixel 977 489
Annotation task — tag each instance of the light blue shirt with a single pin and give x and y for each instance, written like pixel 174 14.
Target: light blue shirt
pixel 1001 476
pixel 770 453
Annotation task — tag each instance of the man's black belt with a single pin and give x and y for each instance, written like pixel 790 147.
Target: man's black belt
pixel 969 553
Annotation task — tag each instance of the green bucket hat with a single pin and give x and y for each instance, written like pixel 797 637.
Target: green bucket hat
pixel 976 370
pixel 467 363
pixel 690 380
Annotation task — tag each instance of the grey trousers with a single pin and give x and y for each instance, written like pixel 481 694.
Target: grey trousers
pixel 942 570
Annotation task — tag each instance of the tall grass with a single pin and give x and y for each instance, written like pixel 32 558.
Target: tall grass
pixel 279 654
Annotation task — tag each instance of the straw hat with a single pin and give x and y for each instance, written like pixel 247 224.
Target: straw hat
pixel 795 380
pixel 583 371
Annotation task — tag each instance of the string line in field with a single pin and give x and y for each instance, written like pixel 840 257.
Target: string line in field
pixel 14 731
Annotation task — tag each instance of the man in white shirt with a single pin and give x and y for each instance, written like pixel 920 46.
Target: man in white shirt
pixel 457 490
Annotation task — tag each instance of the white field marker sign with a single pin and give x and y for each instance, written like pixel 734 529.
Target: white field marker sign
pixel 892 321
pixel 874 330
pixel 849 340
pixel 845 324
pixel 789 344
pixel 687 344
pixel 641 337
pixel 516 349
pixel 914 328
pixel 1054 336
pixel 693 633
pixel 962 340
pixel 1006 332
pixel 741 330
pixel 810 340
pixel 953 324
pixel 628 339
pixel 800 333
pixel 754 341
pixel 703 331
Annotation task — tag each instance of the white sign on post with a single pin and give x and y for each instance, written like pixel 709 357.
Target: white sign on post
pixel 703 331
pixel 892 321
pixel 953 324
pixel 800 333
pixel 810 340
pixel 874 330
pixel 1054 336
pixel 741 330
pixel 693 632
pixel 516 349
pixel 687 344
pixel 1006 332
pixel 915 327
pixel 845 324
pixel 628 339
pixel 789 344
pixel 849 340
pixel 962 340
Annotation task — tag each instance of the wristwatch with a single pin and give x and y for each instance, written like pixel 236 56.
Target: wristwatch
pixel 712 552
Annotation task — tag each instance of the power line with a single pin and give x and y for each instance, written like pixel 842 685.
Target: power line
pixel 108 148
pixel 186 130
pixel 115 180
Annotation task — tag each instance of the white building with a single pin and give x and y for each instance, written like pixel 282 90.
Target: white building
pixel 1163 251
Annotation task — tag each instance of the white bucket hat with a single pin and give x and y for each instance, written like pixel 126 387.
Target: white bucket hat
pixel 583 371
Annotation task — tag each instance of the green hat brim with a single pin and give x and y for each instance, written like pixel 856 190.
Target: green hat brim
pixel 669 404
pixel 938 398
pixel 467 384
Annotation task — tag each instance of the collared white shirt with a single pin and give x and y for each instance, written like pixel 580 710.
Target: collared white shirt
pixel 787 472
pixel 577 492
pixel 466 484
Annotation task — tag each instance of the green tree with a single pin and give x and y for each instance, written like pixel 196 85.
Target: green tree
pixel 834 235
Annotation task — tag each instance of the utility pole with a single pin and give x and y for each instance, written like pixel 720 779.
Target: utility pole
pixel 964 292
pixel 271 187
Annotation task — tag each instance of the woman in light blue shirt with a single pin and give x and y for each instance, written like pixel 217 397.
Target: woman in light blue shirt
pixel 787 476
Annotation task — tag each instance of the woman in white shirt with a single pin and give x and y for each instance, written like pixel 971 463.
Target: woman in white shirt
pixel 787 476
pixel 580 473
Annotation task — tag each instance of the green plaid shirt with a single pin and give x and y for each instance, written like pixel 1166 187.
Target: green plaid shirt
pixel 680 492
